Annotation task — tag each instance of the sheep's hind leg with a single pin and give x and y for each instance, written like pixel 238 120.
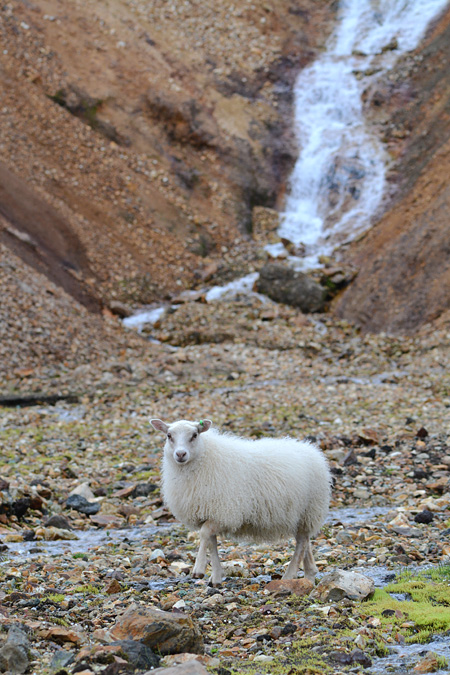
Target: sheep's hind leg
pixel 300 549
pixel 309 565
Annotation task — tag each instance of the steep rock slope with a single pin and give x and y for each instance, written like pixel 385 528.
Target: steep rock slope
pixel 149 130
pixel 403 263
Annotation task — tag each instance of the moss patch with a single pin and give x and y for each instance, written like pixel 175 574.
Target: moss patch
pixel 426 610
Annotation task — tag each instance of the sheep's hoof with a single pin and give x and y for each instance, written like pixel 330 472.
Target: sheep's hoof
pixel 197 575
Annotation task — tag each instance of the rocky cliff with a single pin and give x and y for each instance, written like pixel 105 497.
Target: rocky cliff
pixel 137 138
pixel 146 133
pixel 403 263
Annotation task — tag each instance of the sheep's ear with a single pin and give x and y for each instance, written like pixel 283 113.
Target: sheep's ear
pixel 203 425
pixel 159 425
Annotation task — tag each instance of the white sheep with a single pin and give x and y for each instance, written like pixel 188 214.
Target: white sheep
pixel 260 490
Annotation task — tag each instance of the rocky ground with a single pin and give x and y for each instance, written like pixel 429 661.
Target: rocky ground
pixel 72 568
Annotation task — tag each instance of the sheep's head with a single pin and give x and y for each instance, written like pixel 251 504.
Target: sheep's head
pixel 182 438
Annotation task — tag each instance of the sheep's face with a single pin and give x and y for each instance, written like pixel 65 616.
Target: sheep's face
pixel 183 442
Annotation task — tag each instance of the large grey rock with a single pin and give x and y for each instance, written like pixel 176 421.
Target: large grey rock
pixel 192 667
pixel 342 584
pixel 14 653
pixel 164 632
pixel 80 504
pixel 283 284
pixel 140 656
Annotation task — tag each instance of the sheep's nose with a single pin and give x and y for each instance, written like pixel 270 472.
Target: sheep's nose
pixel 181 455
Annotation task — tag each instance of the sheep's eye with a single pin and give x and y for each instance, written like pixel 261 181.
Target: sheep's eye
pixel 194 437
pixel 169 436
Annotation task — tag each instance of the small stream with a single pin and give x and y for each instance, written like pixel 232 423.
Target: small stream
pixel 87 540
pixel 400 660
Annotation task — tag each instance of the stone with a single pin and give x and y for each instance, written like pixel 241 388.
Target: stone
pixel 14 655
pixel 139 655
pixel 81 504
pixel 213 600
pixel 400 520
pixel 299 587
pixel 191 667
pixel 164 632
pixel 360 657
pixel 58 521
pixel 413 532
pixel 83 490
pixel 113 587
pixel 143 489
pixel 265 223
pixel 55 534
pixel 283 284
pixel 107 520
pixel 60 660
pixel 177 659
pixel 343 584
pixel 61 635
pixel 424 516
pixel 428 664
pixel 120 308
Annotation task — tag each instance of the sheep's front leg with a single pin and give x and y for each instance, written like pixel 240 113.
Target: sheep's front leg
pixel 300 549
pixel 217 570
pixel 208 539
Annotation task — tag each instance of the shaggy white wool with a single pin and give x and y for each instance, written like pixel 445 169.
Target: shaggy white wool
pixel 263 490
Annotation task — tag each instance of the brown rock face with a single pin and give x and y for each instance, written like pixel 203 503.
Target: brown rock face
pixel 403 263
pixel 145 153
pixel 163 631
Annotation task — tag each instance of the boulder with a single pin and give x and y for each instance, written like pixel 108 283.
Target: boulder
pixel 14 655
pixel 163 632
pixel 191 667
pixel 81 504
pixel 298 587
pixel 342 584
pixel 283 284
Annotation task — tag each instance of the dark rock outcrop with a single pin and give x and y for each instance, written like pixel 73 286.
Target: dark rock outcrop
pixel 283 284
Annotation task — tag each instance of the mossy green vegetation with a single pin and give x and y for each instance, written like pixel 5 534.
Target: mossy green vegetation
pixel 425 610
pixel 302 660
pixel 88 589
pixel 55 597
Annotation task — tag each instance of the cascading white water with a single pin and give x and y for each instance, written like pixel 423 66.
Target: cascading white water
pixel 339 178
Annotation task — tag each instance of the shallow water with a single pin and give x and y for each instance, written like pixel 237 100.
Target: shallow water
pixel 357 515
pixel 88 540
pixel 402 659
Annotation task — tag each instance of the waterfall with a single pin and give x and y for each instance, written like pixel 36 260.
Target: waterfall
pixel 338 181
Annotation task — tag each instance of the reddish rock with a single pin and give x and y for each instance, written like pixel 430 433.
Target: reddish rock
pixel 164 632
pixel 61 635
pixel 113 587
pixel 298 587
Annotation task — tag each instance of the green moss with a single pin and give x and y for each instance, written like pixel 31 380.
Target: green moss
pixel 59 621
pixel 442 662
pixel 426 612
pixel 54 597
pixel 86 588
